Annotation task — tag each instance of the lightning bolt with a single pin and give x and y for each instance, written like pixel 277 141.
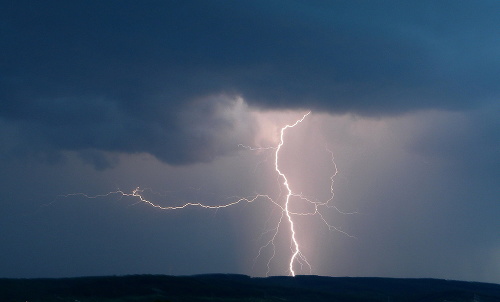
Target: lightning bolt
pixel 296 254
pixel 296 248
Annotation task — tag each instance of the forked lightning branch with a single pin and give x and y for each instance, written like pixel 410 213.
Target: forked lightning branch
pixel 286 218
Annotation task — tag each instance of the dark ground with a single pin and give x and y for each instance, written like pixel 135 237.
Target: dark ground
pixel 151 288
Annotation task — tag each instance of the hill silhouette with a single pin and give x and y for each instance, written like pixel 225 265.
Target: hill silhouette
pixel 226 287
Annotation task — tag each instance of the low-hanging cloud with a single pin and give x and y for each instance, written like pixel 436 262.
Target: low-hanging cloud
pixel 124 76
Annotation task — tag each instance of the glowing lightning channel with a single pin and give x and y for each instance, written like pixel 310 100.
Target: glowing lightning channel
pixel 296 247
pixel 297 255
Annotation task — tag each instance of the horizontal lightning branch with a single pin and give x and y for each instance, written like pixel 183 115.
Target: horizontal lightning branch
pixel 297 257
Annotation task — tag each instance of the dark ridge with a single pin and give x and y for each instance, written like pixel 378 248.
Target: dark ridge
pixel 227 287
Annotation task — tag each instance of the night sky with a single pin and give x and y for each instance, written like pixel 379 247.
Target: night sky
pixel 99 96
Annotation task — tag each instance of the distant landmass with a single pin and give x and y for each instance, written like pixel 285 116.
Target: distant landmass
pixel 226 287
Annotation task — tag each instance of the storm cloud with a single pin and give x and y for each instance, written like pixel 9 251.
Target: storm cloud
pixel 99 96
pixel 158 77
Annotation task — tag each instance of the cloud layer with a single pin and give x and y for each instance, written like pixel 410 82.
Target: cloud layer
pixel 122 76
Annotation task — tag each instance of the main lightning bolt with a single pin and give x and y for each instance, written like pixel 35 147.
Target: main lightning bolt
pixel 296 254
pixel 296 248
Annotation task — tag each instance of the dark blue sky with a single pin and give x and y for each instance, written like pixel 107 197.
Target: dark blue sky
pixel 96 96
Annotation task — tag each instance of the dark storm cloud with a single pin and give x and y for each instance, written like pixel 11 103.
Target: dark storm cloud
pixel 156 77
